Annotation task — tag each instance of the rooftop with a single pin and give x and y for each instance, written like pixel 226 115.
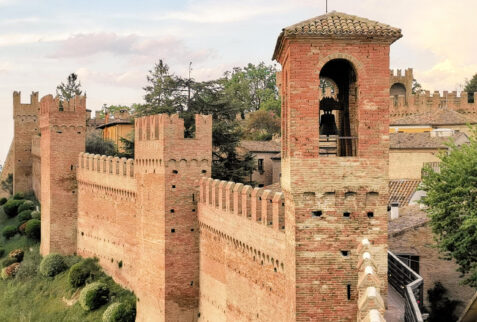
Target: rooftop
pixel 260 146
pixel 409 217
pixel 440 116
pixel 338 25
pixel 401 191
pixel 113 122
pixel 424 140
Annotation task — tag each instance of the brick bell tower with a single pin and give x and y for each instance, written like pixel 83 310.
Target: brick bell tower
pixel 334 158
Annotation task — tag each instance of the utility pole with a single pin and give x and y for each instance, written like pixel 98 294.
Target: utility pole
pixel 326 6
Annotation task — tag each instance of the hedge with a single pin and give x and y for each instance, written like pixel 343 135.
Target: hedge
pixel 35 214
pixel 19 195
pixel 3 201
pixel 120 312
pixel 17 254
pixel 81 271
pixel 52 264
pixel 24 215
pixel 11 207
pixel 33 229
pixel 9 231
pixel 93 296
pixel 26 205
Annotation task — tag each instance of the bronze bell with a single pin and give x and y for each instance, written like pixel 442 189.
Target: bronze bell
pixel 328 124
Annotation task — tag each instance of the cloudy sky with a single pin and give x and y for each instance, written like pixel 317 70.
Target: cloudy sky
pixel 111 45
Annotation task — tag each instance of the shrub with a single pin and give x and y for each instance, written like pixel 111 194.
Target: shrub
pixel 120 312
pixel 33 229
pixel 10 271
pixel 18 196
pixel 35 214
pixel 81 271
pixel 17 254
pixel 9 231
pixel 11 207
pixel 29 266
pixel 3 201
pixel 26 205
pixel 2 252
pixel 93 296
pixel 8 261
pixel 52 265
pixel 24 215
pixel 21 227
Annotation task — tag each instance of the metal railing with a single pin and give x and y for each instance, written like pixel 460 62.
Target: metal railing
pixel 409 285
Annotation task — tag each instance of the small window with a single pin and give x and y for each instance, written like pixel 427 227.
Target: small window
pixel 317 213
pixel 175 171
pixel 260 166
pixel 346 214
pixel 204 171
pixel 348 291
pixel 173 230
pixel 345 253
pixel 370 214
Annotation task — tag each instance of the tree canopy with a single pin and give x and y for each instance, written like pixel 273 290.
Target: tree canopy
pixel 71 88
pixel 452 206
pixel 471 85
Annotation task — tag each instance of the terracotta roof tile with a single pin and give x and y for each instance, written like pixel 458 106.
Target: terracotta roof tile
pixel 260 146
pixel 423 140
pixel 440 116
pixel 401 191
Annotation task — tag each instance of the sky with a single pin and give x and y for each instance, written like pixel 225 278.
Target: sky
pixel 112 45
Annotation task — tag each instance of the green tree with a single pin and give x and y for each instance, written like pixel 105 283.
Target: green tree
pixel 252 88
pixel 95 144
pixel 165 92
pixel 7 184
pixel 71 88
pixel 471 88
pixel 452 206
pixel 416 87
pixel 128 146
pixel 442 308
pixel 262 125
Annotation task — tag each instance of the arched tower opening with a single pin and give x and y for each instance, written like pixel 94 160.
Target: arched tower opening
pixel 396 90
pixel 338 112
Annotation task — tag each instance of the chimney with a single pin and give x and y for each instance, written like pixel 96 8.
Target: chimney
pixel 394 210
pixel 106 118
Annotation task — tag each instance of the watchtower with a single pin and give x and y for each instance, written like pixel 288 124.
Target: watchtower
pixel 63 128
pixel 168 168
pixel 334 158
pixel 25 126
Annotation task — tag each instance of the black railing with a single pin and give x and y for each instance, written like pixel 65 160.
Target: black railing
pixel 409 285
pixel 341 146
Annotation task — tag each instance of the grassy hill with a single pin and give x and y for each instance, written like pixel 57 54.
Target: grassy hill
pixel 30 296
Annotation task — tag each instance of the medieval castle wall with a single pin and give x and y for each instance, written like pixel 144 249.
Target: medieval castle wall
pixel 242 253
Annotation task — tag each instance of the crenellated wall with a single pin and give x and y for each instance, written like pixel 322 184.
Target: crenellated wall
pixel 107 215
pixel 400 106
pixel 242 253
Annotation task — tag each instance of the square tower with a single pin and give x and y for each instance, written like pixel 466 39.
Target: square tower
pixel 63 133
pixel 334 158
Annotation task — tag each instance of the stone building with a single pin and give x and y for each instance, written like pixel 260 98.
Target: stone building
pixel 263 151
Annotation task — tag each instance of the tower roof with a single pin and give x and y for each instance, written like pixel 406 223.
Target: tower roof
pixel 338 25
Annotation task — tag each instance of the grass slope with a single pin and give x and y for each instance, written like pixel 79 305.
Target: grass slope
pixel 32 297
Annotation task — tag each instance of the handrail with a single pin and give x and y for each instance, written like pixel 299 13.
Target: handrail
pixel 409 285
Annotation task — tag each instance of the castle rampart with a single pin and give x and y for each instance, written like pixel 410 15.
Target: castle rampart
pixel 36 165
pixel 242 248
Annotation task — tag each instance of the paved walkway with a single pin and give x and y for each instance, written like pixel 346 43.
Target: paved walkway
pixel 395 311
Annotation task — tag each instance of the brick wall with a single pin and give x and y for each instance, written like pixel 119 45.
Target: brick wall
pixel 6 169
pixel 63 128
pixel 36 166
pixel 25 126
pixel 242 253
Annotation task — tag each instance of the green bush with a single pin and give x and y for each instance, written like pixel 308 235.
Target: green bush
pixel 29 266
pixel 2 252
pixel 26 205
pixel 19 195
pixel 3 201
pixel 35 214
pixel 120 312
pixel 24 215
pixel 33 229
pixel 11 207
pixel 8 261
pixel 82 271
pixel 9 231
pixel 93 296
pixel 17 254
pixel 21 227
pixel 52 265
